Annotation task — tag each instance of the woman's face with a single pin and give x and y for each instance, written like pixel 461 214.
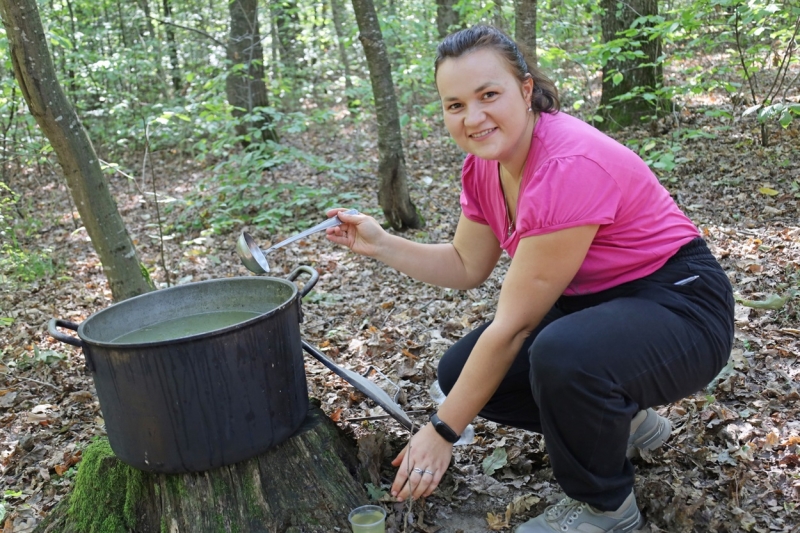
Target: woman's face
pixel 485 106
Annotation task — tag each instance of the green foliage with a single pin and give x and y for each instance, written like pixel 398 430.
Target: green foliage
pixel 40 358
pixel 16 264
pixel 755 39
pixel 375 493
pixel 242 193
pixel 663 153
pixel 114 63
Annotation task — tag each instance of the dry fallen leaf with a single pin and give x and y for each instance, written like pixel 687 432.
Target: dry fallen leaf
pixel 521 504
pixel 496 522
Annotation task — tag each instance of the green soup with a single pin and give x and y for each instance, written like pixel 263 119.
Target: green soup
pixel 185 326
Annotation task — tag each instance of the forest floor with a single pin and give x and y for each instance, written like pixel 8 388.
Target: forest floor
pixel 732 463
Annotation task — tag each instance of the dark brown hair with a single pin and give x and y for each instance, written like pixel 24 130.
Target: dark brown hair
pixel 545 94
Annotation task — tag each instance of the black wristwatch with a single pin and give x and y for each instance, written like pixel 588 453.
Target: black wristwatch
pixel 444 430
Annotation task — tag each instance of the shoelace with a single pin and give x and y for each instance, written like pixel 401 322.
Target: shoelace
pixel 565 512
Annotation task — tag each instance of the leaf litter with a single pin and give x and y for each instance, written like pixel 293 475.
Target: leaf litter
pixel 731 465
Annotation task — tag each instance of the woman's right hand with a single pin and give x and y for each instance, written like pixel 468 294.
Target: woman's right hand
pixel 361 233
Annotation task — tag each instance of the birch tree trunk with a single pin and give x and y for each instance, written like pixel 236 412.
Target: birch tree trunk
pixel 393 194
pixel 36 76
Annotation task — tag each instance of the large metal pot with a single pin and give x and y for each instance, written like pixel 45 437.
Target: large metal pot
pixel 199 402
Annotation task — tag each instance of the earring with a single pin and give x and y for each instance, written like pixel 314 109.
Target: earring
pixel 530 109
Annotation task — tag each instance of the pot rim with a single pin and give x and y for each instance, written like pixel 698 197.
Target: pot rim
pixel 189 338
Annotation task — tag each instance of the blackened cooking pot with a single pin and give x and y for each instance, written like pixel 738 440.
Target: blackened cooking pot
pixel 201 401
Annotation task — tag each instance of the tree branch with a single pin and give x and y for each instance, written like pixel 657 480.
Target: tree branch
pixel 784 66
pixel 747 75
pixel 201 32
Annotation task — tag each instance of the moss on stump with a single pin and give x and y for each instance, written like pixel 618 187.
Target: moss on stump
pixel 307 484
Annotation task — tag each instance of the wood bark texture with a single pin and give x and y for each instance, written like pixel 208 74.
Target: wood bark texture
pixel 307 484
pixel 174 65
pixel 285 15
pixel 338 14
pixel 245 86
pixel 619 17
pixel 525 27
pixel 36 76
pixel 447 17
pixel 393 196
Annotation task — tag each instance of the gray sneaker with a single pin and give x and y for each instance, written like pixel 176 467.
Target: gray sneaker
pixel 570 515
pixel 649 430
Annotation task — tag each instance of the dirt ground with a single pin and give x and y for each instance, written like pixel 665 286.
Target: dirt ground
pixel 732 463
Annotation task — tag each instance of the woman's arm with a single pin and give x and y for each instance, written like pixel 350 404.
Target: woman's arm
pixel 541 270
pixel 463 264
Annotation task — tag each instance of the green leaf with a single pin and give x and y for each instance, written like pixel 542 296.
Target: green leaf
pixel 768 191
pixel 751 109
pixel 497 460
pixel 617 78
pixel 375 493
pixel 772 301
pixel 6 320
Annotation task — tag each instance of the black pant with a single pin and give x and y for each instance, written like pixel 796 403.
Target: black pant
pixel 596 360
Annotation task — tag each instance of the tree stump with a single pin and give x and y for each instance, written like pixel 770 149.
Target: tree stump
pixel 307 484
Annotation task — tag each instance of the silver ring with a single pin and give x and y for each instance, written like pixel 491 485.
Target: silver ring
pixel 419 471
pixel 429 472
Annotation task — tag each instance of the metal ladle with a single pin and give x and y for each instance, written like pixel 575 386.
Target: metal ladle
pixel 255 259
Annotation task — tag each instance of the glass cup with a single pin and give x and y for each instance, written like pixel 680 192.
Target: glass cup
pixel 368 519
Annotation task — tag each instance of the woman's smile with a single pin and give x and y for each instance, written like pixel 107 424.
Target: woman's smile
pixel 482 134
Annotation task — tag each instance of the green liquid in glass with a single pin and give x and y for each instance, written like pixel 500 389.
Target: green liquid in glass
pixel 185 326
pixel 368 522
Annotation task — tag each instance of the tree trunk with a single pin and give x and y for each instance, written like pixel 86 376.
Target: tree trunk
pixel 174 66
pixel 36 76
pixel 525 26
pixel 393 194
pixel 307 484
pixel 498 19
pixel 338 15
pixel 638 74
pixel 287 26
pixel 447 17
pixel 245 85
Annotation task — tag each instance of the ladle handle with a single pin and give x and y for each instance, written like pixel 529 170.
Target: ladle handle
pixel 331 222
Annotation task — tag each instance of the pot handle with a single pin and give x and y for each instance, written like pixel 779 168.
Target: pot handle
pixel 57 335
pixel 310 283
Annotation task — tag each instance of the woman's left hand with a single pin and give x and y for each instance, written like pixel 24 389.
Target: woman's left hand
pixel 422 463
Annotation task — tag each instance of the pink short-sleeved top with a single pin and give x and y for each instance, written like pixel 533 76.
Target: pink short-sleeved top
pixel 574 176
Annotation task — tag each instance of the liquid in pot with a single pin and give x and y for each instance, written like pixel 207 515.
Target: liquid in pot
pixel 185 326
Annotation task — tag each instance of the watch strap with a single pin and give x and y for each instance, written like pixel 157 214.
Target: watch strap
pixel 444 430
